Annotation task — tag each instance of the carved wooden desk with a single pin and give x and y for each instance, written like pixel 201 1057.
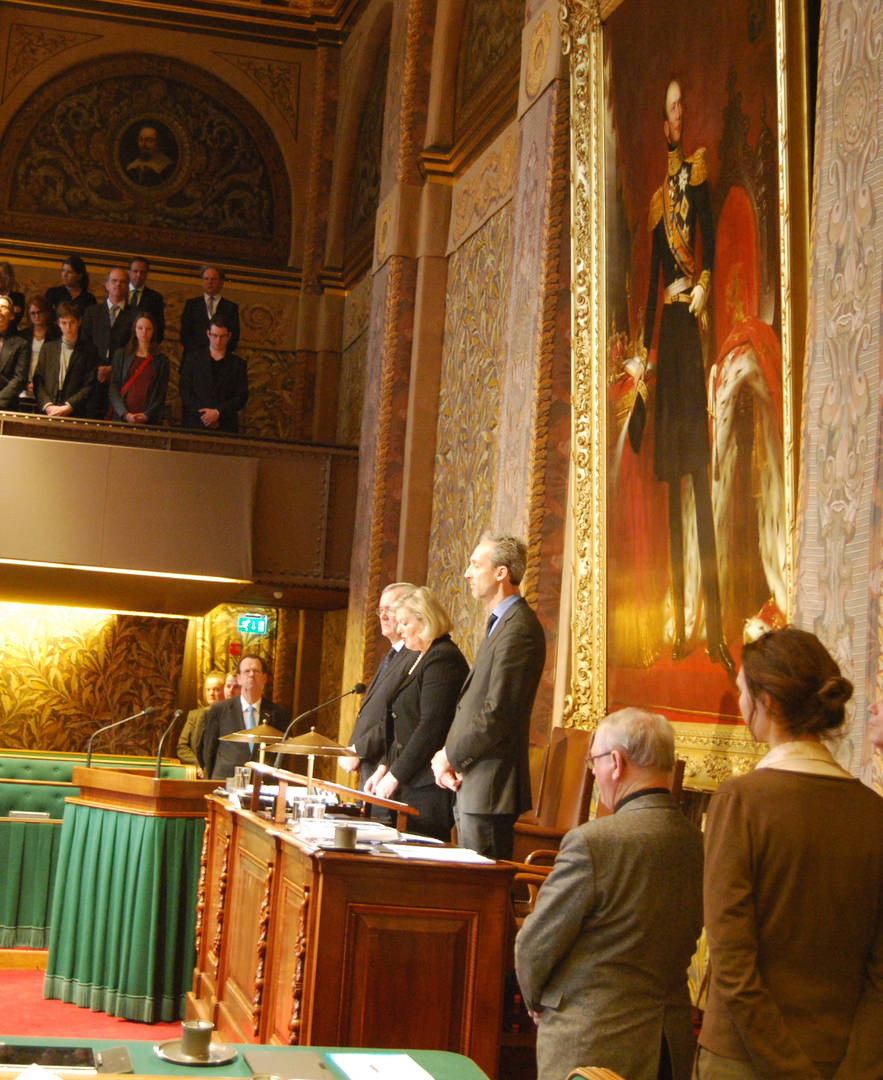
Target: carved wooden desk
pixel 300 945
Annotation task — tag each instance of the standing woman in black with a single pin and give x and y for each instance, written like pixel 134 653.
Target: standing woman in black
pixel 420 713
pixel 74 285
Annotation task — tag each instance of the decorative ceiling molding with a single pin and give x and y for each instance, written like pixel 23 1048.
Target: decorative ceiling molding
pixel 303 22
pixel 29 47
pixel 279 80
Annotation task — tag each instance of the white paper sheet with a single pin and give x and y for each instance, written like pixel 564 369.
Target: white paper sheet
pixel 437 854
pixel 380 1067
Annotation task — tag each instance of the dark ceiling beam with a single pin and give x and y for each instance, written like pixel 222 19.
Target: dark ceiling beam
pixel 249 19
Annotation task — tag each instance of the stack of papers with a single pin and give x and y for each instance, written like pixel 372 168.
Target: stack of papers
pixel 379 1066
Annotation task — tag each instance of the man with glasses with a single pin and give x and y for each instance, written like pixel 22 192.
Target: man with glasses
pixel 248 710
pixel 368 740
pixel 602 960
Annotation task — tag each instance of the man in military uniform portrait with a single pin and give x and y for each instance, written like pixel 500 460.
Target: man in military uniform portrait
pixel 681 444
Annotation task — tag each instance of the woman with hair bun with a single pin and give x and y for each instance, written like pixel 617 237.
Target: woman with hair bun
pixel 419 714
pixel 793 886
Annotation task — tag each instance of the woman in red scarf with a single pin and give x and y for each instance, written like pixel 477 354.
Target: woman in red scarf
pixel 139 377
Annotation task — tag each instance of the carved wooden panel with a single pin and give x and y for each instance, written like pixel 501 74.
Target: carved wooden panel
pixel 421 953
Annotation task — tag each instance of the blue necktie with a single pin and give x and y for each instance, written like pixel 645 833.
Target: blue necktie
pixel 249 716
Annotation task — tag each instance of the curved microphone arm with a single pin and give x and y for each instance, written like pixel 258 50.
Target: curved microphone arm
pixel 359 688
pixel 178 714
pixel 149 711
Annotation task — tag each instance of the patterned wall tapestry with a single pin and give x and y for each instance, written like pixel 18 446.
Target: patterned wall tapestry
pixel 145 152
pixel 67 671
pixel 840 565
pixel 468 414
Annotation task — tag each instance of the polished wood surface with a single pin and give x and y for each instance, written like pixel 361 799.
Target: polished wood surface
pixel 137 792
pixel 303 945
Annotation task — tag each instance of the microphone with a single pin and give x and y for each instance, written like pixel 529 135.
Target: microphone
pixel 149 711
pixel 359 688
pixel 178 714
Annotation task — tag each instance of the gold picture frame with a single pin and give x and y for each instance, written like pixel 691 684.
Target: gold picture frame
pixel 713 741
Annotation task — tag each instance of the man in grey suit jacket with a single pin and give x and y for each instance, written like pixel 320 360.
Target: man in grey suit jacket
pixel 368 740
pixel 485 757
pixel 602 960
pixel 107 326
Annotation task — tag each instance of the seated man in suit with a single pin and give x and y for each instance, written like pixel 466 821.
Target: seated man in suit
pixel 199 311
pixel 602 960
pixel 213 382
pixel 248 710
pixel 65 372
pixel 107 326
pixel 14 357
pixel 143 298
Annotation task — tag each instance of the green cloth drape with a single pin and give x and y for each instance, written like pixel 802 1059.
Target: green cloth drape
pixel 124 913
pixel 28 851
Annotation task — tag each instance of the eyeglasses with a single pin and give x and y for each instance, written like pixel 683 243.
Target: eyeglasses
pixel 381 611
pixel 594 757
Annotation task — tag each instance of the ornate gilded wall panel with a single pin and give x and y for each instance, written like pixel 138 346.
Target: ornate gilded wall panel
pixel 468 415
pixel 67 671
pixel 139 151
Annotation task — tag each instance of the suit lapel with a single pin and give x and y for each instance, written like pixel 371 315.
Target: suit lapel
pixel 488 642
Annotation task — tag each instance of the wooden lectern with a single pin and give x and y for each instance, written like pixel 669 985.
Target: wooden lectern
pixel 124 908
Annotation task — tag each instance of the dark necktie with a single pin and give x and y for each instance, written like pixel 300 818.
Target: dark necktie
pixel 490 624
pixel 385 662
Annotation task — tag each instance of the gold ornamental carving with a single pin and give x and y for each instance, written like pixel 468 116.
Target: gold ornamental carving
pixel 581 37
pixel 487 185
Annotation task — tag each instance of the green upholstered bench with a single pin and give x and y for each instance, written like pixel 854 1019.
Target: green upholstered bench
pixel 38 782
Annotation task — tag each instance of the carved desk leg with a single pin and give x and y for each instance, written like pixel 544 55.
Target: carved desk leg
pixel 263 928
pixel 297 982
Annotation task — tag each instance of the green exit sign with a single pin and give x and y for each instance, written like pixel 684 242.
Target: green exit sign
pixel 252 624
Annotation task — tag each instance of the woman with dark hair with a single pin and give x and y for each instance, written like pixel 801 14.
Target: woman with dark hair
pixel 40 330
pixel 419 714
pixel 74 285
pixel 139 377
pixel 793 886
pixel 7 288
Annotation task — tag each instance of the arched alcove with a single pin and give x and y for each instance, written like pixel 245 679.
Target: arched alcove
pixel 144 152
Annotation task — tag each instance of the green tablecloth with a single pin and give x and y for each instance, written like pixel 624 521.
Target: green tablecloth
pixel 124 913
pixel 28 852
pixel 440 1064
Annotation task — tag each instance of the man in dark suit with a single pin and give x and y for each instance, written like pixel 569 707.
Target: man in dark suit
pixel 602 960
pixel 368 740
pixel 199 311
pixel 107 326
pixel 66 369
pixel 485 756
pixel 143 298
pixel 213 382
pixel 14 357
pixel 248 710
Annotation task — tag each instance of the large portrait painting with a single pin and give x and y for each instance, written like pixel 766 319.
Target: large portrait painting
pixel 684 356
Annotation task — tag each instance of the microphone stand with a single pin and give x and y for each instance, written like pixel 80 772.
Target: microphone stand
pixel 359 688
pixel 178 714
pixel 149 711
